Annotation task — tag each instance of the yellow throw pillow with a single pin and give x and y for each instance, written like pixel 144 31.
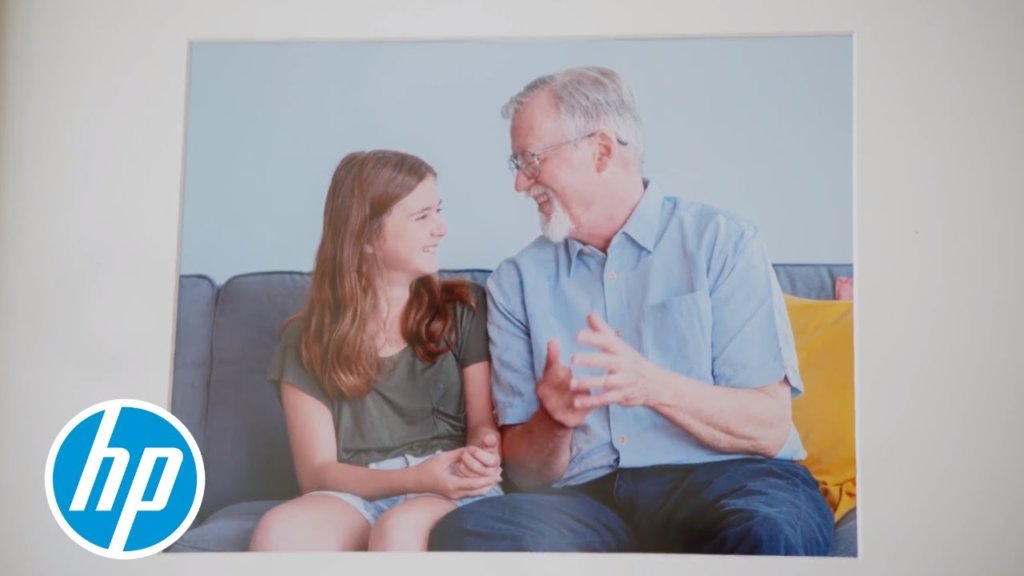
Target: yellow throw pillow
pixel 823 414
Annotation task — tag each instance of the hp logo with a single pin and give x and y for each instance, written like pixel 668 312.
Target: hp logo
pixel 124 479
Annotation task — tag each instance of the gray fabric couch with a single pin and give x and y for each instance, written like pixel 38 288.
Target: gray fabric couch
pixel 224 340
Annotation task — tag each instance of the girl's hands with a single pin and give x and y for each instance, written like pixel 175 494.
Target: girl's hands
pixel 482 457
pixel 440 475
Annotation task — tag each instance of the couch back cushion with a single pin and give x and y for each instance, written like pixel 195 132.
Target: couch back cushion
pixel 197 296
pixel 814 281
pixel 246 452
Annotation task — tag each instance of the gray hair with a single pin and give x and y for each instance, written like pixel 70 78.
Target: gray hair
pixel 589 99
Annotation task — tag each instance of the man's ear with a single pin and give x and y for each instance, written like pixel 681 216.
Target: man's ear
pixel 604 150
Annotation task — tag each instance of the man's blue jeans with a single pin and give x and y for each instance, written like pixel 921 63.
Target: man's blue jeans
pixel 742 506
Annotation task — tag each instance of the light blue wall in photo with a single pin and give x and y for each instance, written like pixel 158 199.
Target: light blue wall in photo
pixel 762 127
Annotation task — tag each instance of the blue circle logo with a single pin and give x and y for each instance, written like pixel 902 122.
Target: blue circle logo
pixel 124 479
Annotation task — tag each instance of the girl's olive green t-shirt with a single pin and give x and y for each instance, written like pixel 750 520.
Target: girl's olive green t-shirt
pixel 414 408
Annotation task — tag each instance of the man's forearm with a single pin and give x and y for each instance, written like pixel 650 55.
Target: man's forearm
pixel 735 420
pixel 536 452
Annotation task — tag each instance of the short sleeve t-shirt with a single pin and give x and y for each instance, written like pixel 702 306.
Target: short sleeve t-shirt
pixel 413 408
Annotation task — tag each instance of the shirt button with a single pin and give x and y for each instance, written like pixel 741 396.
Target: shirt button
pixel 618 333
pixel 612 276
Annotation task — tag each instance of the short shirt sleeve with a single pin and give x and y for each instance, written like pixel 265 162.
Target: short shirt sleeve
pixel 512 382
pixel 752 340
pixel 286 366
pixel 472 344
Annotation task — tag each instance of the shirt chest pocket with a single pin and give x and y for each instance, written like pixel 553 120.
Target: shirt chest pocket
pixel 676 334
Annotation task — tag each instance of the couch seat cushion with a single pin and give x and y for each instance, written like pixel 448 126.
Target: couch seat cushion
pixel 227 530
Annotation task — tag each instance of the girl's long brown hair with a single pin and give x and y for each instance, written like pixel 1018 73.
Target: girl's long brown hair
pixel 337 342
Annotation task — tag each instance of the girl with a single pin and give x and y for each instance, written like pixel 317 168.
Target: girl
pixel 384 376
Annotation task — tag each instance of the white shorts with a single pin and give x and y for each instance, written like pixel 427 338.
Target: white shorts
pixel 372 509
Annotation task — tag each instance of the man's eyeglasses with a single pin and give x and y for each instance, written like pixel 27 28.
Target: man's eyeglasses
pixel 528 161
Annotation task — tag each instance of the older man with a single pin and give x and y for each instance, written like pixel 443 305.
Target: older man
pixel 644 365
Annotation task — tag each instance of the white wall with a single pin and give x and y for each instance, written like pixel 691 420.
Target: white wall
pixel 759 126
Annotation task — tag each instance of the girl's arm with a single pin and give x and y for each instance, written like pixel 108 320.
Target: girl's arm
pixel 311 434
pixel 483 441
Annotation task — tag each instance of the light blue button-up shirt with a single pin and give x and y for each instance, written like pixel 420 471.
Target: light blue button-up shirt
pixel 689 286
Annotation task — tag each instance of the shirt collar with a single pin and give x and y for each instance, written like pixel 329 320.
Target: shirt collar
pixel 574 247
pixel 642 225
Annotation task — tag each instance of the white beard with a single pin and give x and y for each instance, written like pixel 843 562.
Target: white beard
pixel 558 226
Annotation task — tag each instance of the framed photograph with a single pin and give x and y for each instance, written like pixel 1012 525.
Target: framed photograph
pixel 761 128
